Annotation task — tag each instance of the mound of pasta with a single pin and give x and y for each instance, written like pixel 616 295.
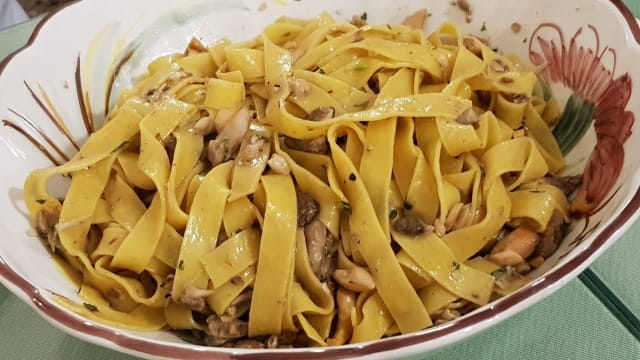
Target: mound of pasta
pixel 324 183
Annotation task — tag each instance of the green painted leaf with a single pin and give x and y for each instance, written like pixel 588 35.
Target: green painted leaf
pixel 574 122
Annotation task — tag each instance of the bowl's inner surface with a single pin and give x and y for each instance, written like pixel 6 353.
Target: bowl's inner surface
pixel 108 56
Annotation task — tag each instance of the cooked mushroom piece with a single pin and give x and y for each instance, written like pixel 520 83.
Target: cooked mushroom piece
pixel 515 247
pixel 416 20
pixel 46 221
pixel 227 143
pixel 568 184
pixel 318 145
pixel 279 164
pixel 219 332
pixel 194 298
pixel 346 302
pixel 468 117
pixel 308 208
pixel 552 235
pixel 316 238
pixel 356 279
pixel 411 226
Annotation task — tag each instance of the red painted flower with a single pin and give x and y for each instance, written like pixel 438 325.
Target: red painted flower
pixel 582 70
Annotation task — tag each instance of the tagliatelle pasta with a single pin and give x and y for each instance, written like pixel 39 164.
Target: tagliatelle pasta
pixel 324 183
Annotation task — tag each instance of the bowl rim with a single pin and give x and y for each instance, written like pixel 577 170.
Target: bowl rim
pixel 475 322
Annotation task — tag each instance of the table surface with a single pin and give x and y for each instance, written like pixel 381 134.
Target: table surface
pixel 593 317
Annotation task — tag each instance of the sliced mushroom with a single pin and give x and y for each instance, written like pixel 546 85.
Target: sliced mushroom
pixel 468 117
pixel 194 298
pixel 249 344
pixel 346 302
pixel 356 279
pixel 219 332
pixel 416 20
pixel 322 113
pixel 195 46
pixel 284 340
pixel 412 226
pixel 466 8
pixel 227 143
pixel 567 184
pixel 46 221
pixel 318 145
pixel 498 66
pixel 308 208
pixel 299 88
pixel 279 164
pixel 170 144
pixel 552 235
pixel 254 150
pixel 204 126
pixel 515 247
pixel 358 21
pixel 316 238
pixel 473 45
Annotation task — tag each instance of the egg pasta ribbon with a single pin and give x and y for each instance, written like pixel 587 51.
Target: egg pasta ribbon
pixel 323 183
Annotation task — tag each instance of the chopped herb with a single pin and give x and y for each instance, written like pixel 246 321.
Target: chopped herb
pixel 320 71
pixel 287 33
pixel 363 16
pixel 499 272
pixel 408 205
pixel 181 265
pixel 362 106
pixel 393 214
pixel 347 207
pixel 388 26
pixel 360 66
pixel 41 201
pixel 121 146
pixel 323 278
pixel 484 26
pixel 455 266
pixel 90 307
pixel 352 177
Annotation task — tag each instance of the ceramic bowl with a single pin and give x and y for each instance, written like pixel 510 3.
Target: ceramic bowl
pixel 55 91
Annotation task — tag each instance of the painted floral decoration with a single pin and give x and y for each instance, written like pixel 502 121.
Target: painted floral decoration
pixel 598 96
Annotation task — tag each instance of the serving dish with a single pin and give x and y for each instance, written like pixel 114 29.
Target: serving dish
pixel 49 109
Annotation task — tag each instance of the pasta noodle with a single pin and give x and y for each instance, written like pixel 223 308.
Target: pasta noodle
pixel 324 183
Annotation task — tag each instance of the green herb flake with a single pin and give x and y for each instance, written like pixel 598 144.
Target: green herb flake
pixel 320 71
pixel 408 205
pixel 41 201
pixel 181 265
pixel 362 106
pixel 90 307
pixel 393 213
pixel 388 26
pixel 484 26
pixel 363 16
pixel 347 207
pixel 360 66
pixel 121 146
pixel 455 266
pixel 498 273
pixel 287 34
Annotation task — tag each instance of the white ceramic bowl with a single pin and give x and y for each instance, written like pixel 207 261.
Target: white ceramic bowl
pixel 591 47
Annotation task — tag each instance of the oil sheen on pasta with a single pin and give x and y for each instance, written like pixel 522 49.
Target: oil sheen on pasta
pixel 324 183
